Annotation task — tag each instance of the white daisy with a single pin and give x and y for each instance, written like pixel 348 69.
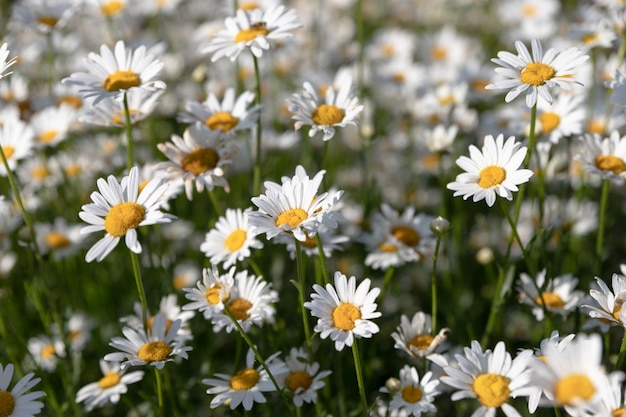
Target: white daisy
pixel 199 157
pixel 79 327
pixel 169 308
pixel 605 157
pixel 303 379
pixel 330 239
pixel 490 377
pixel 559 294
pixel 4 63
pixel 339 108
pixel 492 171
pixel 118 210
pixel 52 124
pixel 109 388
pixel 17 402
pixel 256 29
pixel 414 396
pixel 16 140
pixel 111 112
pixel 58 238
pixel 565 117
pixel 416 337
pixel 228 117
pixel 155 349
pixel 607 309
pixel 231 238
pixel 294 207
pixel 247 386
pixel 537 73
pixel 212 292
pixel 44 15
pixel 46 351
pixel 344 311
pixel 113 73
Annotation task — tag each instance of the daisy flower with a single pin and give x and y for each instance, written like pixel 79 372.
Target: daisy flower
pixel 111 112
pixel 45 15
pixel 330 239
pixel 52 124
pixel 247 386
pixel 186 274
pixel 58 238
pixel 118 210
pixel 414 396
pixel 4 63
pixel 537 73
pixel 169 308
pixel 228 117
pixel 79 327
pixel 415 337
pixel 211 293
pixel 46 351
pixel 231 238
pixel 303 379
pixel 16 141
pixel 559 294
pixel 109 388
pixel 605 157
pixel 294 207
pixel 492 171
pixel 256 29
pixel 607 309
pixel 344 310
pixel 199 157
pixel 565 117
pixel 492 377
pixel 113 73
pixel 338 109
pixel 154 348
pixel 17 402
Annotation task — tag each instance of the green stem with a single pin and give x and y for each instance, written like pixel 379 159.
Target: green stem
pixel 130 144
pixel 606 185
pixel 215 203
pixel 361 46
pixel 516 236
pixel 359 377
pixel 301 284
pixel 622 354
pixel 159 389
pixel 433 284
pixel 256 182
pixel 495 308
pixel 323 266
pixel 387 281
pixel 140 289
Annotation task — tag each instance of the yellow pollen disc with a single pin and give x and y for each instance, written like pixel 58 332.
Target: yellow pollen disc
pixel 8 151
pixel 239 307
pixel 119 118
pixel 57 240
pixel 47 136
pixel 47 352
pixel 179 282
pixel 610 163
pixel 111 379
pixel 73 335
pixel 111 8
pixel 200 161
pixel 617 309
pixel 387 50
pixel 573 387
pixel 121 80
pixel 421 342
pixel 387 247
pixel 122 217
pixel 447 100
pixel 479 84
pixel 255 30
pixel 244 379
pixel 589 38
pixel 398 77
pixel 492 390
pixel 212 295
pixel 235 240
pixel 595 126
pixel 309 242
pixel 491 176
pixel 168 324
pixel 143 184
pixel 291 218
pixel 549 121
pixel 551 299
pixel 47 20
pixel 248 5
pixel 7 404
pixel 406 235
pixel 536 74
pixel 298 379
pixel 222 120
pixel 40 172
pixel 438 53
pixel 154 351
pixel 529 10
pixel 345 315
pixel 73 101
pixel 411 394
pixel 72 170
pixel 618 412
pixel 327 114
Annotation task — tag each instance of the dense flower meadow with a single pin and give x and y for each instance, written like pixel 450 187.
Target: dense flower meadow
pixel 312 208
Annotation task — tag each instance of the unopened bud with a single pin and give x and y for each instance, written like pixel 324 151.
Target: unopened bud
pixel 440 226
pixel 393 385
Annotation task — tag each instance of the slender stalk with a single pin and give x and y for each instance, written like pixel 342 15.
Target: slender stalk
pixel 433 284
pixel 529 152
pixel 359 377
pixel 159 389
pixel 140 289
pixel 516 236
pixel 495 308
pixel 256 181
pixel 215 203
pixel 130 144
pixel 606 185
pixel 387 281
pixel 301 284
pixel 622 354
pixel 323 266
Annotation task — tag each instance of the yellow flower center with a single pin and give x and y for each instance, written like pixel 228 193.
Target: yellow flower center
pixel 121 80
pixel 8 151
pixel 47 352
pixel 345 315
pixel 40 172
pixel 291 218
pixel 610 163
pixel 492 390
pixel 387 247
pixel 73 101
pixel 421 342
pixel 529 10
pixel 154 351
pixel 398 77
pixel 327 114
pixel 447 100
pixel 298 379
pixel 245 35
pixel 47 136
pixel 111 379
pixel 406 235
pixel 122 217
pixel 179 282
pixel 47 20
pixel 588 38
pixel 200 160
pixel 222 120
pixel 244 379
pixel 491 176
pixel 596 126
pixel 573 387
pixel 552 300
pixel 411 394
pixel 387 50
pixel 7 404
pixel 248 5
pixel 536 74
pixel 235 240
pixel 57 240
pixel 111 8
pixel 213 297
pixel 618 412
pixel 617 308
pixel 438 53
pixel 549 121
pixel 72 170
pixel 239 308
